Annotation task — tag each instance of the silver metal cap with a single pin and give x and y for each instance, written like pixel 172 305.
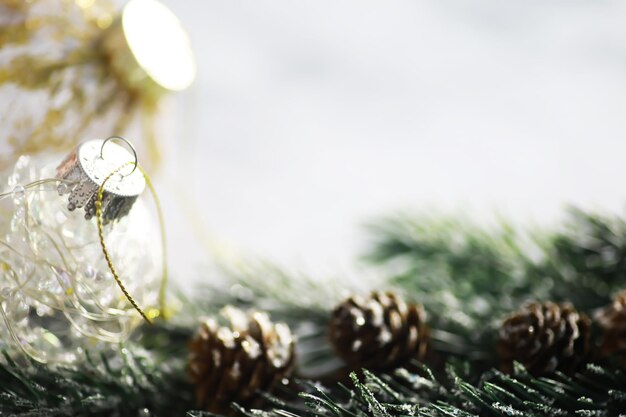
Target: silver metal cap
pixel 86 169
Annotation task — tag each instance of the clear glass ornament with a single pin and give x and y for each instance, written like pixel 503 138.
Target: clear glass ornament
pixel 57 295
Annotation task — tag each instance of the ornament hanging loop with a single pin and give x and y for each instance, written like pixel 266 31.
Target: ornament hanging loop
pixel 130 146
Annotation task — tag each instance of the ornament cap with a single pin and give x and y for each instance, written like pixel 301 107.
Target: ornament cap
pixel 86 169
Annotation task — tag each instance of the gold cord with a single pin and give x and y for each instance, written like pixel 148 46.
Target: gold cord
pixel 164 276
pixel 162 289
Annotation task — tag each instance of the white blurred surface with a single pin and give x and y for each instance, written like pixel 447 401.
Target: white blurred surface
pixel 308 118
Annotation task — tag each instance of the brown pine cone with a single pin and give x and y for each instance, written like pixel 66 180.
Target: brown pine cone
pixel 379 331
pixel 545 337
pixel 231 364
pixel 612 320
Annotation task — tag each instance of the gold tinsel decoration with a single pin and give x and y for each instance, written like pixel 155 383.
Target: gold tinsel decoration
pixel 379 331
pixel 70 70
pixel 545 337
pixel 233 363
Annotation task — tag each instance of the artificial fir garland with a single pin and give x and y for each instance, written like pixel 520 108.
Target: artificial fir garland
pixel 456 337
pixel 460 277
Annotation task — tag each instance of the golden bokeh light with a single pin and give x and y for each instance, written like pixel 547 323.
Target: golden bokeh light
pixel 159 43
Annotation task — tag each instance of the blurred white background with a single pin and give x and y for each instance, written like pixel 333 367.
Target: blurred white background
pixel 310 118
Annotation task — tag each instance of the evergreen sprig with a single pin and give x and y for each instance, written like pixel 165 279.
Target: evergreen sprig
pixel 301 302
pixel 287 296
pixel 128 382
pixel 597 391
pixel 467 277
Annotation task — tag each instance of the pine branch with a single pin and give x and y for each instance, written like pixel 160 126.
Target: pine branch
pixel 466 277
pixel 290 297
pixel 469 277
pixel 298 300
pixel 586 260
pixel 597 391
pixel 130 382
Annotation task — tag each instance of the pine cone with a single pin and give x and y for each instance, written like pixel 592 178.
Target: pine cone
pixel 379 331
pixel 612 320
pixel 231 364
pixel 545 337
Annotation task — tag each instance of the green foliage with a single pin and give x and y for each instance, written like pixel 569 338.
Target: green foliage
pixel 597 391
pixel 301 302
pixel 128 382
pixel 468 279
pixel 587 260
pixel 288 297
